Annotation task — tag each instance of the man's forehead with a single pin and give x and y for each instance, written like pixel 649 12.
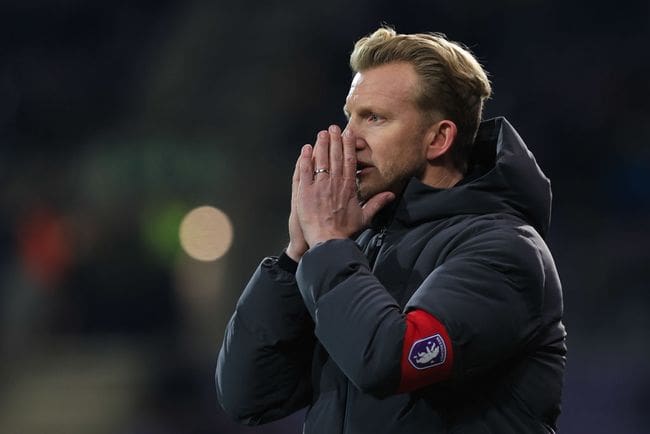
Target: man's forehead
pixel 393 82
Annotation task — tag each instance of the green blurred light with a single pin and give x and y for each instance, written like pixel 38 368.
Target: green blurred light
pixel 159 231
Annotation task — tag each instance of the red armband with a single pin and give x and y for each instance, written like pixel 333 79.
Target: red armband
pixel 427 355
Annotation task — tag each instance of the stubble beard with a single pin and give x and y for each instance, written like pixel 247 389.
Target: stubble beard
pixel 393 179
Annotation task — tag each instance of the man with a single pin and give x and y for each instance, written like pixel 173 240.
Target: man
pixel 445 314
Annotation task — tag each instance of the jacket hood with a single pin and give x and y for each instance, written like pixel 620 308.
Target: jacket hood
pixel 504 178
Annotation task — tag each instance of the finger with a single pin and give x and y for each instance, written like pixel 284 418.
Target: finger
pixel 306 171
pixel 336 151
pixel 349 156
pixel 374 204
pixel 321 152
pixel 295 179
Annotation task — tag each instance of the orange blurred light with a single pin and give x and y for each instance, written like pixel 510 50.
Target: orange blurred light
pixel 44 246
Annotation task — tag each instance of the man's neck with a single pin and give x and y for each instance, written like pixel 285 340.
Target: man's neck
pixel 441 177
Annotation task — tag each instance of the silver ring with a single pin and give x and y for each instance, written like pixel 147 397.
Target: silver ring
pixel 317 171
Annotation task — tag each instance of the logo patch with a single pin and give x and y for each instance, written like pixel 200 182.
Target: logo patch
pixel 428 352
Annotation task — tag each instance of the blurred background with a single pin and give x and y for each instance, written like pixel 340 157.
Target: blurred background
pixel 132 130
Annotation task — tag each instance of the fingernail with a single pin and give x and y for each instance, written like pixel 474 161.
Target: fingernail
pixel 334 129
pixel 322 134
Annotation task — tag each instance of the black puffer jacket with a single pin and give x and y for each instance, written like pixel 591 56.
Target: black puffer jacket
pixel 473 256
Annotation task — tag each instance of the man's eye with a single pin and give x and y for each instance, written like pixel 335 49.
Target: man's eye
pixel 373 117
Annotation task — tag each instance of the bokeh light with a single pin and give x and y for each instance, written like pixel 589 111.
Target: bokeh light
pixel 206 233
pixel 159 230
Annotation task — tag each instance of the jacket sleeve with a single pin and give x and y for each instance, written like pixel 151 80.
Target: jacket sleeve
pixel 480 295
pixel 489 294
pixel 263 367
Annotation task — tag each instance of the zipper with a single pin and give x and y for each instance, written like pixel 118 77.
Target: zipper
pixel 347 406
pixel 375 247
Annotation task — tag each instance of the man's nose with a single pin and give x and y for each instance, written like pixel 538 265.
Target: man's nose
pixel 358 140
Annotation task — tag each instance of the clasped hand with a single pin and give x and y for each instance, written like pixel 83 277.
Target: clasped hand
pixel 324 203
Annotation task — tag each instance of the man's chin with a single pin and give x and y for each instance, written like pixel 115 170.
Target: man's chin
pixel 362 192
pixel 365 192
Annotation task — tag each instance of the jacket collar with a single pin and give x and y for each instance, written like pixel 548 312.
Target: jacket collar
pixel 504 178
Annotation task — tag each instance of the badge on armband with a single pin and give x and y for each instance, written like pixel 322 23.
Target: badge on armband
pixel 428 352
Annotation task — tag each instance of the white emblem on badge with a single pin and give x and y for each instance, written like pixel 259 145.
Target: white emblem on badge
pixel 428 352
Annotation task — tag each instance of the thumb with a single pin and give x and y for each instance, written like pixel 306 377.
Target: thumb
pixel 375 203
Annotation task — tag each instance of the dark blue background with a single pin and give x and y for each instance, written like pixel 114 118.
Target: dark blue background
pixel 118 117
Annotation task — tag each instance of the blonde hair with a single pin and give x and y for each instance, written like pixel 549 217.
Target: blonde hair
pixel 452 83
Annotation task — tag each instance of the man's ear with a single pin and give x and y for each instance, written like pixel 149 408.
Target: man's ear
pixel 440 137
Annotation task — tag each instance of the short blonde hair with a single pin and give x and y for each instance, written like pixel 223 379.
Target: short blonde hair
pixel 453 84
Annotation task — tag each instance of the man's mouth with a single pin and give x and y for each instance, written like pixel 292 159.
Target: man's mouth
pixel 363 167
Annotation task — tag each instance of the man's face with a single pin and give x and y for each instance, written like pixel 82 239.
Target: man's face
pixel 388 128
